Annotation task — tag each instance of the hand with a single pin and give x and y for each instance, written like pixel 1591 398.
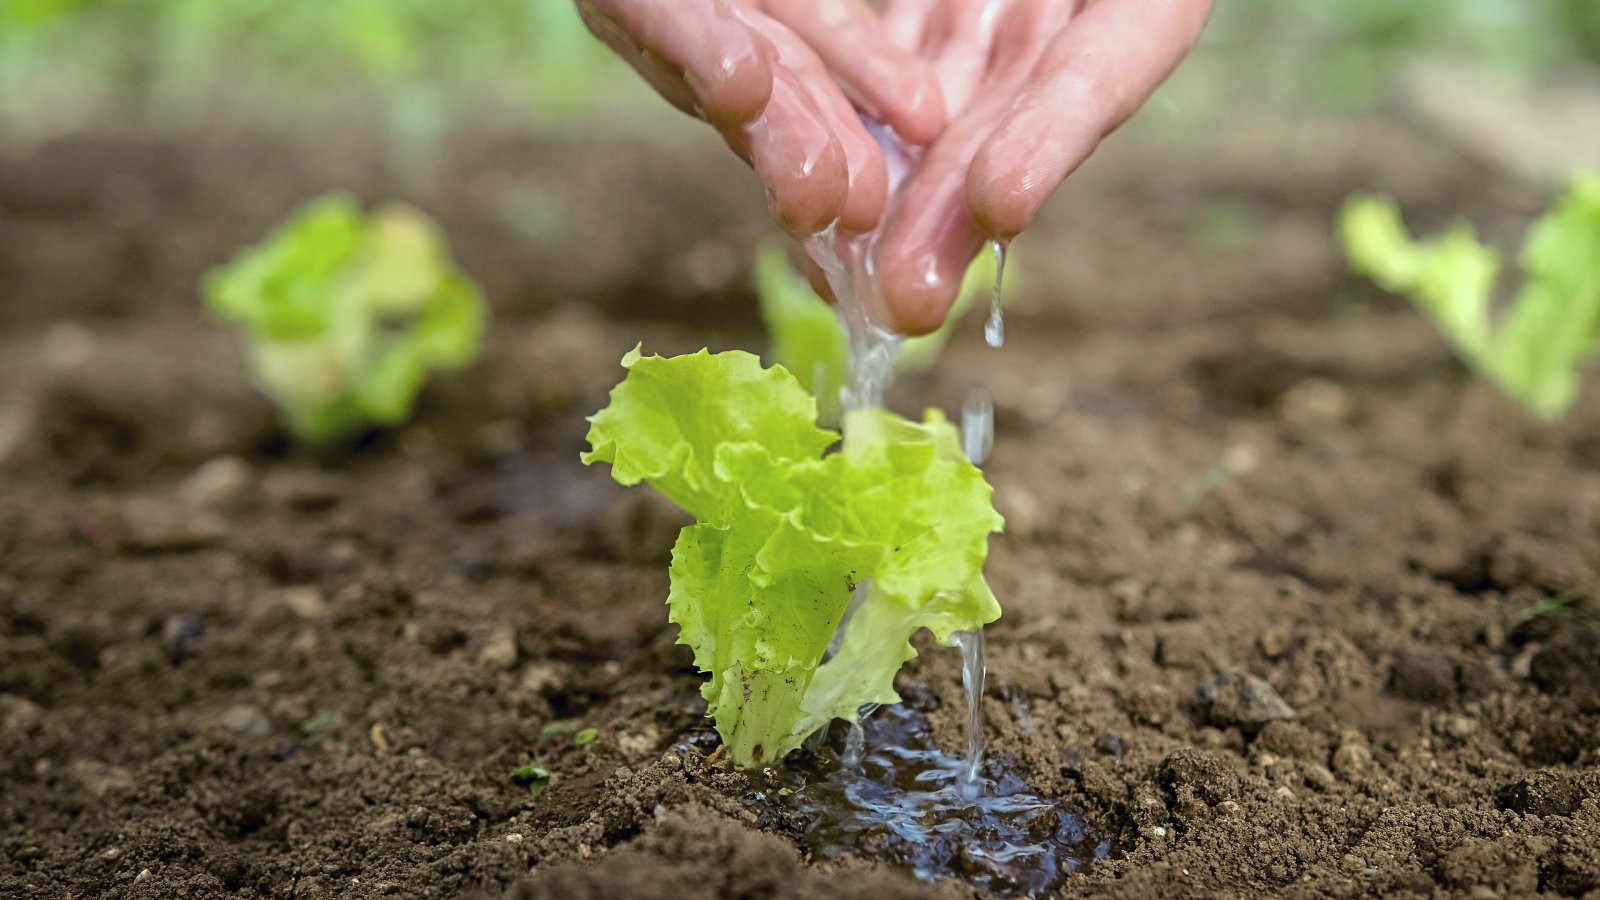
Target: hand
pixel 782 81
pixel 1030 87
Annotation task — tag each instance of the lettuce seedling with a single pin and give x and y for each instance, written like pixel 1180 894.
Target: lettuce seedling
pixel 1551 328
pixel 784 534
pixel 346 315
pixel 808 339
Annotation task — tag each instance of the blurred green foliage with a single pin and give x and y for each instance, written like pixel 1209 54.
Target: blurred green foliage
pixel 1536 348
pixel 424 56
pixel 1345 55
pixel 345 315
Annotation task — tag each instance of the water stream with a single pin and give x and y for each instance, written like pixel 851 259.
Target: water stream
pixel 994 328
pixel 973 676
pixel 886 790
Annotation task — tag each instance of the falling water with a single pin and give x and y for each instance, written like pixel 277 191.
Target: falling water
pixel 847 263
pixel 977 425
pixel 994 330
pixel 973 676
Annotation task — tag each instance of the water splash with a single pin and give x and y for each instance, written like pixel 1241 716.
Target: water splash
pixel 994 329
pixel 905 802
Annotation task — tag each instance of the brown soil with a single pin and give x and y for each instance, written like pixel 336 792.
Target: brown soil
pixel 231 666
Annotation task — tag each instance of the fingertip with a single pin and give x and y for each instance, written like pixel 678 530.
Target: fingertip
pixel 919 116
pixel 734 86
pixel 916 303
pixel 1002 199
pixel 806 199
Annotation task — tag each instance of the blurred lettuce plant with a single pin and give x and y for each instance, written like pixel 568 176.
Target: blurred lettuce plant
pixel 345 315
pixel 1551 327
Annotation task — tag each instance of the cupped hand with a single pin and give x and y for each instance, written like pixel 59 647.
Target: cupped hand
pixel 783 81
pixel 1005 97
pixel 1030 87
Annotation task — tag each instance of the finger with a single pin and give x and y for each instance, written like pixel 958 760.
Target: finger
pixel 796 156
pixel 903 22
pixel 886 81
pixel 723 63
pixel 666 78
pixel 929 236
pixel 958 38
pixel 1090 78
pixel 867 171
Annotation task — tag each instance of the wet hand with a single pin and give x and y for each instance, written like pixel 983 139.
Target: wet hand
pixel 1029 87
pixel 782 81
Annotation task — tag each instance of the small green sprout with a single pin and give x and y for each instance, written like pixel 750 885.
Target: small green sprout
pixel 535 778
pixel 1564 606
pixel 1550 329
pixel 346 315
pixel 586 736
pixel 552 730
pixel 318 724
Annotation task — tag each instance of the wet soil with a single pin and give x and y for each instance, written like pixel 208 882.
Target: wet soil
pixel 1293 605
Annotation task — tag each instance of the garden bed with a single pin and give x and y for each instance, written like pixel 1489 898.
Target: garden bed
pixel 227 664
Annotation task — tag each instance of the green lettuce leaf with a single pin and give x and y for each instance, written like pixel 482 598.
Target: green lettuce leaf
pixel 346 314
pixel 785 534
pixel 1552 326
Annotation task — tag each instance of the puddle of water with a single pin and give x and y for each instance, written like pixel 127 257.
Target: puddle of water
pixel 910 804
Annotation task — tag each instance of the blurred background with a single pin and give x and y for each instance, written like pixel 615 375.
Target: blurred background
pixel 396 84
pixel 143 142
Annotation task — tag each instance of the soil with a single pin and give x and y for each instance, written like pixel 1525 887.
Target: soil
pixel 1279 576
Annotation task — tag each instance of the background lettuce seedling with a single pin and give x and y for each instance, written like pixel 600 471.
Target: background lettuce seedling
pixel 809 341
pixel 784 534
pixel 345 315
pixel 1536 349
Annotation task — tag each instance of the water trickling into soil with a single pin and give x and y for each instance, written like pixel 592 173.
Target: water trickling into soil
pixel 973 676
pixel 887 791
pixel 900 799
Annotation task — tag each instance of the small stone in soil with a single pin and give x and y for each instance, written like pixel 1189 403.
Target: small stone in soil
pixel 1237 698
pixel 1352 759
pixel 500 652
pixel 179 635
pixel 305 601
pixel 217 484
pixel 1110 744
pixel 246 720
